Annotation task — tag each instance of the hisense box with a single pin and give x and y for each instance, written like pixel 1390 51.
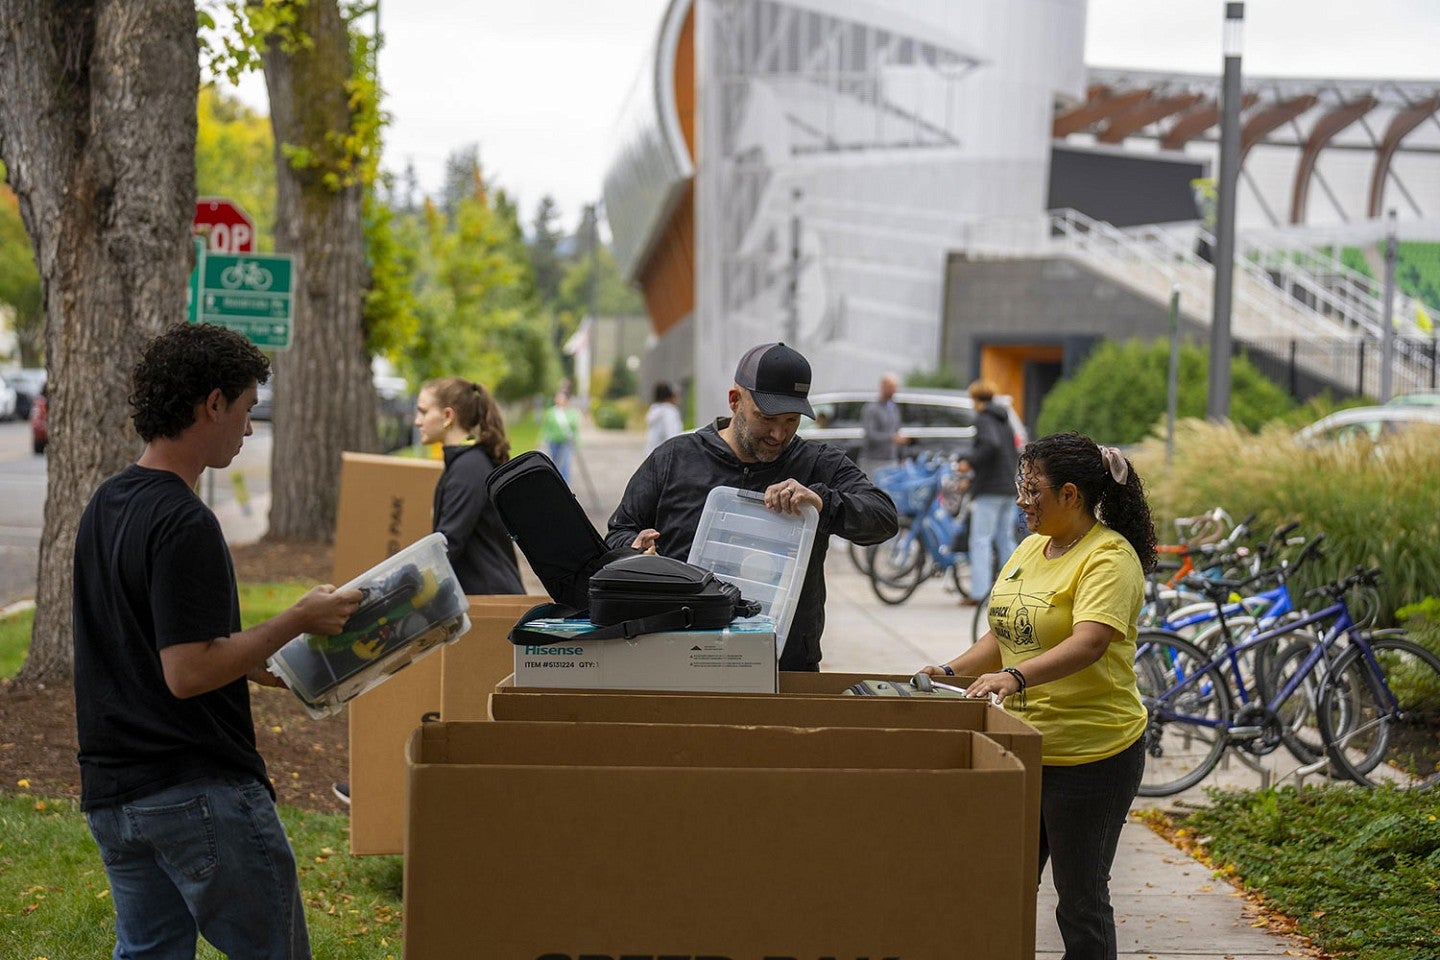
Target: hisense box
pixel 737 658
pixel 813 700
pixel 531 840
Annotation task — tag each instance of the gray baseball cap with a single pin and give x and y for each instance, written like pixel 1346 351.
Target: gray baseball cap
pixel 778 377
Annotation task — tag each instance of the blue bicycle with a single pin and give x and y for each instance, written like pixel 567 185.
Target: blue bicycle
pixel 935 543
pixel 1371 699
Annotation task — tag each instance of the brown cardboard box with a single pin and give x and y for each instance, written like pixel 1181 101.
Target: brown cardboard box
pixel 559 840
pixel 814 699
pixel 452 685
pixel 385 504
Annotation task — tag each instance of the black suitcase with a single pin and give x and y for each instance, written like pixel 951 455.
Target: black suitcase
pixel 623 592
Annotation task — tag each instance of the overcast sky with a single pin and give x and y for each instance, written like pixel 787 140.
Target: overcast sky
pixel 537 84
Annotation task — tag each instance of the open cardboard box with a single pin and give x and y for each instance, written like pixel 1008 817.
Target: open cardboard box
pixel 816 700
pixel 385 505
pixel 535 839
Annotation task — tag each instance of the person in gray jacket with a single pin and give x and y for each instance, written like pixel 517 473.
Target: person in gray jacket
pixel 756 449
pixel 880 419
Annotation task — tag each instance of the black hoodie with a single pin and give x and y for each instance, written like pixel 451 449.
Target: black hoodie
pixel 994 456
pixel 668 491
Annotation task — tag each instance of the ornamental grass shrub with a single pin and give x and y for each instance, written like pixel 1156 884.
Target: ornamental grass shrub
pixel 1378 504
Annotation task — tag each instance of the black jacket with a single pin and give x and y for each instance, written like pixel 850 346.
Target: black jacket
pixel 479 548
pixel 994 457
pixel 668 494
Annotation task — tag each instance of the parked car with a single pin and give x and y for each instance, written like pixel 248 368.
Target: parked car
pixel 39 427
pixel 28 382
pixel 1372 423
pixel 264 402
pixel 1424 398
pixel 8 399
pixel 939 421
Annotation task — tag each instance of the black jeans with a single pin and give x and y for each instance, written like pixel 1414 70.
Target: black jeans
pixel 1082 809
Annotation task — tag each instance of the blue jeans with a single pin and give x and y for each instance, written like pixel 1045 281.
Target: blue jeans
pixel 208 856
pixel 1082 810
pixel 991 522
pixel 560 452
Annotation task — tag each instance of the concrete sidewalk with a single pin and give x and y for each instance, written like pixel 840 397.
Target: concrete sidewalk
pixel 1168 906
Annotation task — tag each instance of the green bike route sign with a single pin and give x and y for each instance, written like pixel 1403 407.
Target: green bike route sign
pixel 249 293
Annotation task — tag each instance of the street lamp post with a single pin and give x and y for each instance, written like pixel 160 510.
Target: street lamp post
pixel 1217 405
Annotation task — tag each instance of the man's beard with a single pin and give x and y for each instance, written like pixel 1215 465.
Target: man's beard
pixel 749 444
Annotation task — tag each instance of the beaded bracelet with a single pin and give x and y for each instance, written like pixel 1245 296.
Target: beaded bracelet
pixel 1020 679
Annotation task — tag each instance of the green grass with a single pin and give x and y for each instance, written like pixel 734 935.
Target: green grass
pixel 1359 870
pixel 55 904
pixel 258 602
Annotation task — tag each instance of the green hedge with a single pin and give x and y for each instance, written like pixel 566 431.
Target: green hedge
pixel 1119 393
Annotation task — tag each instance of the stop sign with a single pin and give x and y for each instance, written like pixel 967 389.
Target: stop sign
pixel 226 227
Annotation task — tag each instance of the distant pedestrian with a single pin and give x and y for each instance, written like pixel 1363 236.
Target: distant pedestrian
pixel 662 420
pixel 174 792
pixel 560 432
pixel 992 486
pixel 880 419
pixel 1061 649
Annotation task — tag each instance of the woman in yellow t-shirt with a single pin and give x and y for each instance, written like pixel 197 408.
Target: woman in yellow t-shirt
pixel 1061 648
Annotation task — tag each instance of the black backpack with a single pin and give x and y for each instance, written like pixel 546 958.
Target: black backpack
pixel 623 592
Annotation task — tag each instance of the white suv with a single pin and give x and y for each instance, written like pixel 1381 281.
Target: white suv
pixel 942 421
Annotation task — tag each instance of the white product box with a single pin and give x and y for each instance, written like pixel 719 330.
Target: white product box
pixel 739 658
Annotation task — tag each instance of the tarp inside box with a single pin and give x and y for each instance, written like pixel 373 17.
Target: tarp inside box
pixel 528 838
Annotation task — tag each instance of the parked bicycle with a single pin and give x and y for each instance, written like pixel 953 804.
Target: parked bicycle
pixel 1371 698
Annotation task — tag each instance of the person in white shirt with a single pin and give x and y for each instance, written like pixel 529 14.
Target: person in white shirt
pixel 662 420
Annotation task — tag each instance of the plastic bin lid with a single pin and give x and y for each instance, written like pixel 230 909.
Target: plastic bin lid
pixel 762 552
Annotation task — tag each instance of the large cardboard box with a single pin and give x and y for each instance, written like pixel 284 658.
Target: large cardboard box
pixel 560 840
pixel 737 658
pixel 385 505
pixel 815 700
pixel 452 685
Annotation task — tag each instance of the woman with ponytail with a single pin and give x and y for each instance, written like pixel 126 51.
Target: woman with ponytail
pixel 1061 650
pixel 463 418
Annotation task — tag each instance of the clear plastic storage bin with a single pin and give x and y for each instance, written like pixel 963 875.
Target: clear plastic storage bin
pixel 413 604
pixel 762 552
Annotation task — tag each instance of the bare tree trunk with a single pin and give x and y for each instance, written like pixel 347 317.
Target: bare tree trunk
pixel 324 396
pixel 97 128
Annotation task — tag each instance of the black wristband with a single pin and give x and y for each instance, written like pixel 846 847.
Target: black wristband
pixel 1019 677
pixel 948 672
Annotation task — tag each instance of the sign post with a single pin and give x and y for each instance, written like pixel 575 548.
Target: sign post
pixel 224 225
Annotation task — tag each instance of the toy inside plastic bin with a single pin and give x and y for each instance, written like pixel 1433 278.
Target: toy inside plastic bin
pixel 413 604
pixel 762 552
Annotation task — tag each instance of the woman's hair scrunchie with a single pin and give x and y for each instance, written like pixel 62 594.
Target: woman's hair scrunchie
pixel 1115 463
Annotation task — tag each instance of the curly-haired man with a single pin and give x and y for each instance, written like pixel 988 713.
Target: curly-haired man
pixel 175 793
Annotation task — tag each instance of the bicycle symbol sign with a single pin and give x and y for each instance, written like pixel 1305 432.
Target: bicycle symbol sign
pixel 250 294
pixel 246 274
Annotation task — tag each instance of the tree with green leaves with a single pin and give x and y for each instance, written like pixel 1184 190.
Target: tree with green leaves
pixel 97 132
pixel 326 120
pixel 545 250
pixel 19 280
pixel 235 158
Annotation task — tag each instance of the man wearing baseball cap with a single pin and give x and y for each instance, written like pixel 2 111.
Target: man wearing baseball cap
pixel 756 448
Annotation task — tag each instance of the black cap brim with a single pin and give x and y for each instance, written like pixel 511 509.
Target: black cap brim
pixel 776 404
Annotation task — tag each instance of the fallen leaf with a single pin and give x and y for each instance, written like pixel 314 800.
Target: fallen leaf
pixel 24 784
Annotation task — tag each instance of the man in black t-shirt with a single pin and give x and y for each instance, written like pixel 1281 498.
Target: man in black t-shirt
pixel 174 791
